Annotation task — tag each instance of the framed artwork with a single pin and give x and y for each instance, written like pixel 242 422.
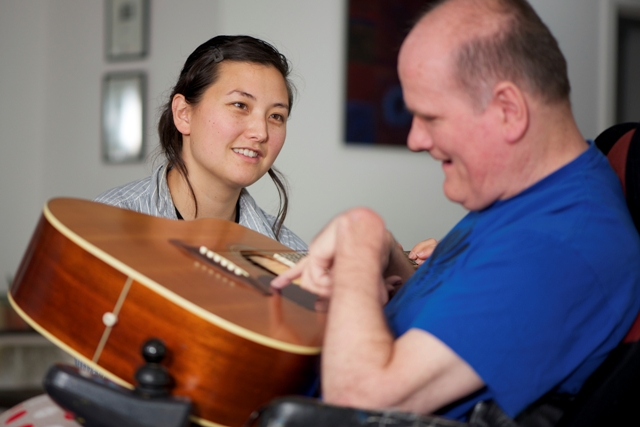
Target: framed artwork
pixel 123 112
pixel 375 113
pixel 628 66
pixel 127 29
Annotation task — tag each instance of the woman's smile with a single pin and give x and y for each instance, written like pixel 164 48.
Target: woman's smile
pixel 246 152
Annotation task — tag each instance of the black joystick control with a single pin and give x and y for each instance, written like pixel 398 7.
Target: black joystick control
pixel 99 402
pixel 153 378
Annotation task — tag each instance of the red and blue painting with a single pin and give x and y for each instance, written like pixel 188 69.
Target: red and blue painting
pixel 375 113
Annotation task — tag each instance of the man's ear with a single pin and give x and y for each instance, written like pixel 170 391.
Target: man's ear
pixel 513 109
pixel 181 114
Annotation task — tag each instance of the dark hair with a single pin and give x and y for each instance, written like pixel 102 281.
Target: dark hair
pixel 522 51
pixel 200 71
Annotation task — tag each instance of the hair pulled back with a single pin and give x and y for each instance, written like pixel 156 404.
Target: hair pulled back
pixel 200 71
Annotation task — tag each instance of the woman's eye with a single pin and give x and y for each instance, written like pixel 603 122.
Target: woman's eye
pixel 240 105
pixel 278 117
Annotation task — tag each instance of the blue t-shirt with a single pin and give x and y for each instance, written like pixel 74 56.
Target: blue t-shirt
pixel 533 291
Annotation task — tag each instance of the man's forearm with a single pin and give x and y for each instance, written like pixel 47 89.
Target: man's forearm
pixel 358 344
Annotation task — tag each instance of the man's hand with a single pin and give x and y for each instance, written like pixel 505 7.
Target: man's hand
pixel 314 271
pixel 423 250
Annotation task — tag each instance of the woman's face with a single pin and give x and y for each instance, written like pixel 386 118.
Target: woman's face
pixel 234 134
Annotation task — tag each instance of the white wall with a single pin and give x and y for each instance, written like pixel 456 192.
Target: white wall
pixel 23 30
pixel 52 63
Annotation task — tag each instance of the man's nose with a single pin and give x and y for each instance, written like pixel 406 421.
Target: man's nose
pixel 419 138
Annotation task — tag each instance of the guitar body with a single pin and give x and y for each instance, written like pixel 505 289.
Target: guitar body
pixel 99 281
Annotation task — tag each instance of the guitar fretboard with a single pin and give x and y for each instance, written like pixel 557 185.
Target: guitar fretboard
pixel 292 258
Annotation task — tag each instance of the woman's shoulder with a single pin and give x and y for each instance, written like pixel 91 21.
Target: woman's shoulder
pixel 146 195
pixel 292 240
pixel 121 195
pixel 254 217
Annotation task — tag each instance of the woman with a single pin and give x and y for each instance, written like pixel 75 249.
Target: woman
pixel 220 131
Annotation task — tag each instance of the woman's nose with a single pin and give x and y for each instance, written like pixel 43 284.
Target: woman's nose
pixel 257 129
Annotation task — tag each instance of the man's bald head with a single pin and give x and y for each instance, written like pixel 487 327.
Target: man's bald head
pixel 497 40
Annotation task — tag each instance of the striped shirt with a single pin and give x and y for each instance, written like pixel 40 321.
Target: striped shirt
pixel 151 196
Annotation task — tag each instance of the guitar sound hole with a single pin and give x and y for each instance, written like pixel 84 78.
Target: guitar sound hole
pixel 268 264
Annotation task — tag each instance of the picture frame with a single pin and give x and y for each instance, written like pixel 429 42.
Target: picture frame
pixel 123 117
pixel 127 29
pixel 628 65
pixel 374 110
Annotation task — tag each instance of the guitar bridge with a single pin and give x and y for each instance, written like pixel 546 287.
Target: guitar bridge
pixel 271 263
pixel 214 259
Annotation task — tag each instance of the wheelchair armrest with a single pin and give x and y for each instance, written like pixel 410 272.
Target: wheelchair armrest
pixel 98 402
pixel 306 412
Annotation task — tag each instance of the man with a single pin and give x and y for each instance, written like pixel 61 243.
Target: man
pixel 533 288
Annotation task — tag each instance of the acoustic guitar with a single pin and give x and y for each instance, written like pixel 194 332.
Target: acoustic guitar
pixel 99 281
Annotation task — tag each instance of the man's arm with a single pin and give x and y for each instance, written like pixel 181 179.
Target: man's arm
pixel 362 364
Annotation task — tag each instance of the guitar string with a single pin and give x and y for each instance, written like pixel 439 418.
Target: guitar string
pixel 116 311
